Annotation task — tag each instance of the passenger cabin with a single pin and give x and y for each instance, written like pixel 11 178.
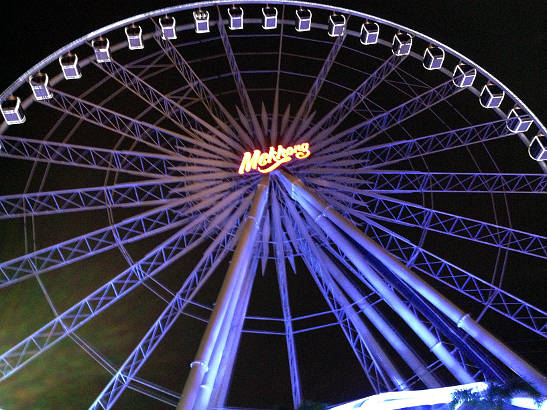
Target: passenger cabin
pixel 12 111
pixel 269 18
pixel 337 25
pixel 491 96
pixel 433 58
pixel 134 37
pixel 236 18
pixel 168 31
pixel 303 20
pixel 538 148
pixel 464 75
pixel 70 66
pixel 518 120
pixel 370 32
pixel 101 46
pixel 402 43
pixel 38 83
pixel 201 20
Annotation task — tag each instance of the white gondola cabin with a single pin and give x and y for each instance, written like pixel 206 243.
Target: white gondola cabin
pixel 538 148
pixel 337 25
pixel 433 58
pixel 303 20
pixel 370 32
pixel 269 18
pixel 168 31
pixel 491 96
pixel 518 120
pixel 69 65
pixel 464 75
pixel 236 18
pixel 134 37
pixel 201 21
pixel 13 111
pixel 39 85
pixel 402 43
pixel 101 47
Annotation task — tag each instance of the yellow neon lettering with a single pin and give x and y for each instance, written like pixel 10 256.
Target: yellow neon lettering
pixel 270 160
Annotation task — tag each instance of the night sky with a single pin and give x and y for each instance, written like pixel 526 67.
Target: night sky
pixel 506 38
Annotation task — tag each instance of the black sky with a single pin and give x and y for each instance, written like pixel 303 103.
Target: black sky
pixel 506 38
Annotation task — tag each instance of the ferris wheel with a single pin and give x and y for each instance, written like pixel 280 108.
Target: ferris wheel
pixel 207 198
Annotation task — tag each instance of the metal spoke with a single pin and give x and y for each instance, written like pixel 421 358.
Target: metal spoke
pixel 396 151
pixel 157 137
pixel 255 129
pixel 187 121
pixel 129 162
pixel 83 311
pixel 305 106
pixel 335 117
pixel 487 294
pixel 212 257
pixel 145 193
pixel 409 214
pixel 129 230
pixel 414 181
pixel 206 96
pixel 363 132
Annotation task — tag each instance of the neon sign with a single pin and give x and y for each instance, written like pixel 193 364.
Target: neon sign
pixel 265 162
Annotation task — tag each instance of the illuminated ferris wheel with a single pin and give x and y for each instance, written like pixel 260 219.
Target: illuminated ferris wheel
pixel 243 178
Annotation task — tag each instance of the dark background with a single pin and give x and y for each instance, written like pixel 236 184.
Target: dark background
pixel 504 37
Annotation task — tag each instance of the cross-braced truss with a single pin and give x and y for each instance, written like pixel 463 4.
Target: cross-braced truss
pixel 408 218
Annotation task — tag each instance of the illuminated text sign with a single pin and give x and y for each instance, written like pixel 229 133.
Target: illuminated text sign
pixel 265 162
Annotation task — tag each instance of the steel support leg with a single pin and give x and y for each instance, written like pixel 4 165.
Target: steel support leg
pixel 390 334
pixel 222 382
pixel 229 291
pixel 318 209
pixel 463 320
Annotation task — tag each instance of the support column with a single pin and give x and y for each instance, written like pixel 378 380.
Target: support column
pixel 222 382
pixel 463 320
pixel 231 289
pixel 301 195
pixel 392 336
pixel 377 353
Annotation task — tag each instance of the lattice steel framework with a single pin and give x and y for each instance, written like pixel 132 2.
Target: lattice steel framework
pixel 143 167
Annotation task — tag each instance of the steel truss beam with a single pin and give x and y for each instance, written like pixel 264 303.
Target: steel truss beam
pixel 335 117
pixel 384 327
pixel 487 294
pixel 409 214
pixel 153 135
pixel 138 384
pixel 396 151
pixel 318 210
pixel 204 369
pixel 145 193
pixel 285 304
pixel 398 182
pixel 129 230
pixel 363 132
pixel 345 315
pixel 188 122
pixel 305 106
pixel 162 256
pixel 221 115
pixel 251 120
pixel 129 162
pixel 460 318
pixel 212 257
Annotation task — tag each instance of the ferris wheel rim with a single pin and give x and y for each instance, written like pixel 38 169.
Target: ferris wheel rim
pixel 122 23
